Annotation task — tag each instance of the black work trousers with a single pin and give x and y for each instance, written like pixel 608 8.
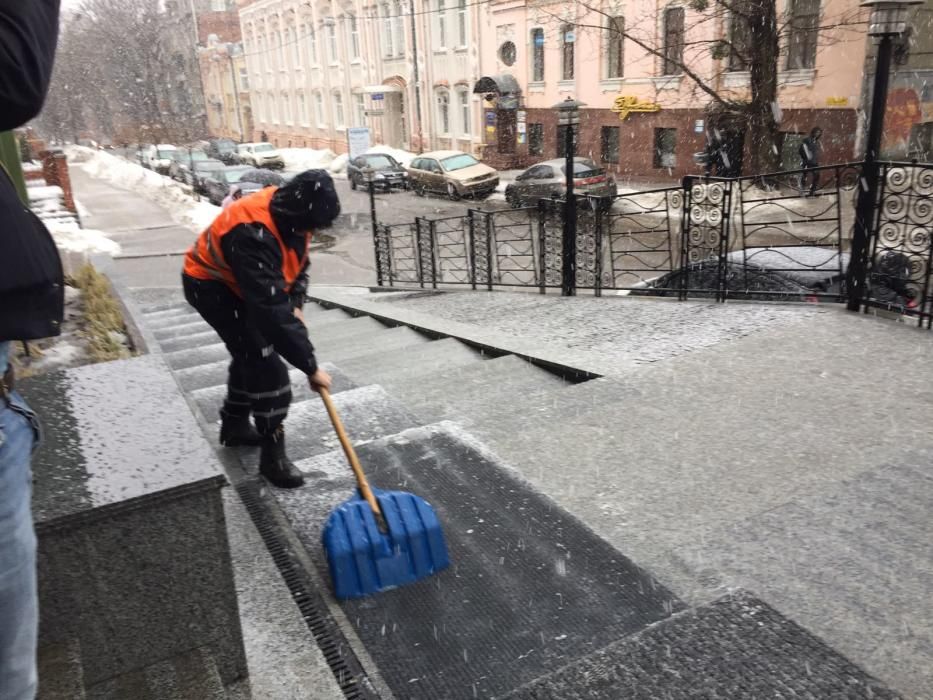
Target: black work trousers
pixel 258 380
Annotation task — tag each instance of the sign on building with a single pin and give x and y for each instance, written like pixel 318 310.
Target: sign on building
pixel 627 104
pixel 358 141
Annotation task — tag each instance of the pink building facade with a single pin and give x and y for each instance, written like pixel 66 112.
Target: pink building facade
pixel 645 118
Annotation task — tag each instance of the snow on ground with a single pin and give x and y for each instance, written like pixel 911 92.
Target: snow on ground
pixel 184 209
pixel 403 157
pixel 71 237
pixel 307 158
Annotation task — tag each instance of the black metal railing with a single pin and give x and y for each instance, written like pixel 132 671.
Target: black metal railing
pixel 783 235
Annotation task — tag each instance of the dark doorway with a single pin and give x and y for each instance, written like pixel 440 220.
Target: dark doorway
pixel 733 150
pixel 506 121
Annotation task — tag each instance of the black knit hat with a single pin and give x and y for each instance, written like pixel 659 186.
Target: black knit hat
pixel 308 202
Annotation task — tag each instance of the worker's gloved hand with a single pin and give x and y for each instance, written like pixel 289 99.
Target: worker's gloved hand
pixel 319 379
pixel 300 314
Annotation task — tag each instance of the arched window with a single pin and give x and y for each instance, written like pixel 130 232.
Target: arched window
pixel 339 118
pixel 443 111
pixel 463 103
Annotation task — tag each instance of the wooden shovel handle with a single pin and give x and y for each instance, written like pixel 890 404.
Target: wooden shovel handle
pixel 351 453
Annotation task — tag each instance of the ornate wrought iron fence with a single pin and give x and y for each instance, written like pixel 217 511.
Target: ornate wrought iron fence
pixel 784 235
pixel 899 266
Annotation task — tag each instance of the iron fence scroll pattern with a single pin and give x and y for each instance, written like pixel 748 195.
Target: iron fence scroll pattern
pixel 900 261
pixel 705 231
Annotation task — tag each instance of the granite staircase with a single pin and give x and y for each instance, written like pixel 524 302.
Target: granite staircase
pixel 535 604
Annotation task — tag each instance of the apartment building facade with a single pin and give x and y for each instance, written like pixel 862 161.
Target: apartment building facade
pixel 644 116
pixel 226 88
pixel 316 68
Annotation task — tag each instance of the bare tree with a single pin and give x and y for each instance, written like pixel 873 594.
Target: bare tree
pixel 746 35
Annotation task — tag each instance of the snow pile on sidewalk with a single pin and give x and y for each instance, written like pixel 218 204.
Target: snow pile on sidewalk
pixel 300 159
pixel 184 209
pixel 69 236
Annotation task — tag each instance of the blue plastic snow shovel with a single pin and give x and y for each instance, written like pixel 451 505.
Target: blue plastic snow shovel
pixel 379 540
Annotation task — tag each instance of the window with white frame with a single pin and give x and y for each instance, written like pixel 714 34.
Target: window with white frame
pixel 263 57
pixel 286 108
pixel 295 47
pixel 359 109
pixel 260 109
pixel 312 47
pixel 244 79
pixel 615 47
pixel 354 29
pixel 287 41
pixel 443 111
pixel 441 18
pixel 463 98
pixel 331 29
pixel 462 23
pixel 302 116
pixel 339 118
pixel 398 21
pixel 319 108
pixel 283 59
pixel 273 111
pixel 388 48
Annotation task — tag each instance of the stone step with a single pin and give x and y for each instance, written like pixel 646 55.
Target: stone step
pixel 171 318
pixel 407 364
pixel 61 675
pixel 194 340
pixel 335 332
pixel 367 413
pixel 192 357
pixel 326 316
pixel 475 389
pixel 209 399
pixel 737 646
pixel 196 325
pixel 385 341
pixel 189 676
pixel 170 312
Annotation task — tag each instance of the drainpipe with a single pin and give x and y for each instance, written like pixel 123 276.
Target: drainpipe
pixel 414 53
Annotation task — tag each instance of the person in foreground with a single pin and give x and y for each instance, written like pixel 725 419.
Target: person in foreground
pixel 31 306
pixel 246 275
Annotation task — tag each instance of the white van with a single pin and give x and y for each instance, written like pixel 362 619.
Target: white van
pixel 159 157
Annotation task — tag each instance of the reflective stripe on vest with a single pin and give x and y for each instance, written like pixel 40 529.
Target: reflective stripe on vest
pixel 205 259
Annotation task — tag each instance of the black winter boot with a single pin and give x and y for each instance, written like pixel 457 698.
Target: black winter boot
pixel 237 431
pixel 275 465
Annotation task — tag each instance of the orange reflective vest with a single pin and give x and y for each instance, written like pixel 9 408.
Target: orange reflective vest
pixel 205 259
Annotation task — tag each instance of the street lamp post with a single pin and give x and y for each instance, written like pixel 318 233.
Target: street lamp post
pixel 888 20
pixel 569 117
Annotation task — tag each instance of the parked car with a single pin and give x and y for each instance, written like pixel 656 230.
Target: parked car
pixel 159 157
pixel 261 155
pixel 548 179
pixel 238 157
pixel 202 169
pixel 224 150
pixel 388 173
pixel 453 173
pixel 183 161
pixel 217 183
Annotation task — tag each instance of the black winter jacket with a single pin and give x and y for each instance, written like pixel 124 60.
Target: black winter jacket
pixel 31 280
pixel 255 258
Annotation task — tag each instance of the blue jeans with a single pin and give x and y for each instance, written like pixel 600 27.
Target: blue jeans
pixel 19 606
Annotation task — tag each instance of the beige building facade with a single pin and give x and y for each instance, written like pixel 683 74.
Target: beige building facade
pixel 317 68
pixel 226 90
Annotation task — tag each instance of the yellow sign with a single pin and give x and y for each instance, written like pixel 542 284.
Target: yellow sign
pixel 626 104
pixel 837 101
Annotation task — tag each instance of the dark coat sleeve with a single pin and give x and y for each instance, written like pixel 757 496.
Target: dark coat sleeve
pixel 28 35
pixel 300 288
pixel 256 261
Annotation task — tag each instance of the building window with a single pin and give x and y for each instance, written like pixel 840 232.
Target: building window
pixel 388 50
pixel 286 108
pixel 562 140
pixel 218 5
pixel 507 53
pixel 283 60
pixel 302 109
pixel 536 139
pixel 537 55
pixel 609 144
pixel 331 30
pixel 296 49
pixel 665 147
pixel 463 97
pixel 312 47
pixel 340 120
pixel 462 22
pixel 673 40
pixel 804 30
pixel 398 22
pixel 263 55
pixel 568 40
pixel 273 108
pixel 739 40
pixel 354 37
pixel 244 80
pixel 441 24
pixel 359 109
pixel 287 40
pixel 443 111
pixel 319 109
pixel 615 41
